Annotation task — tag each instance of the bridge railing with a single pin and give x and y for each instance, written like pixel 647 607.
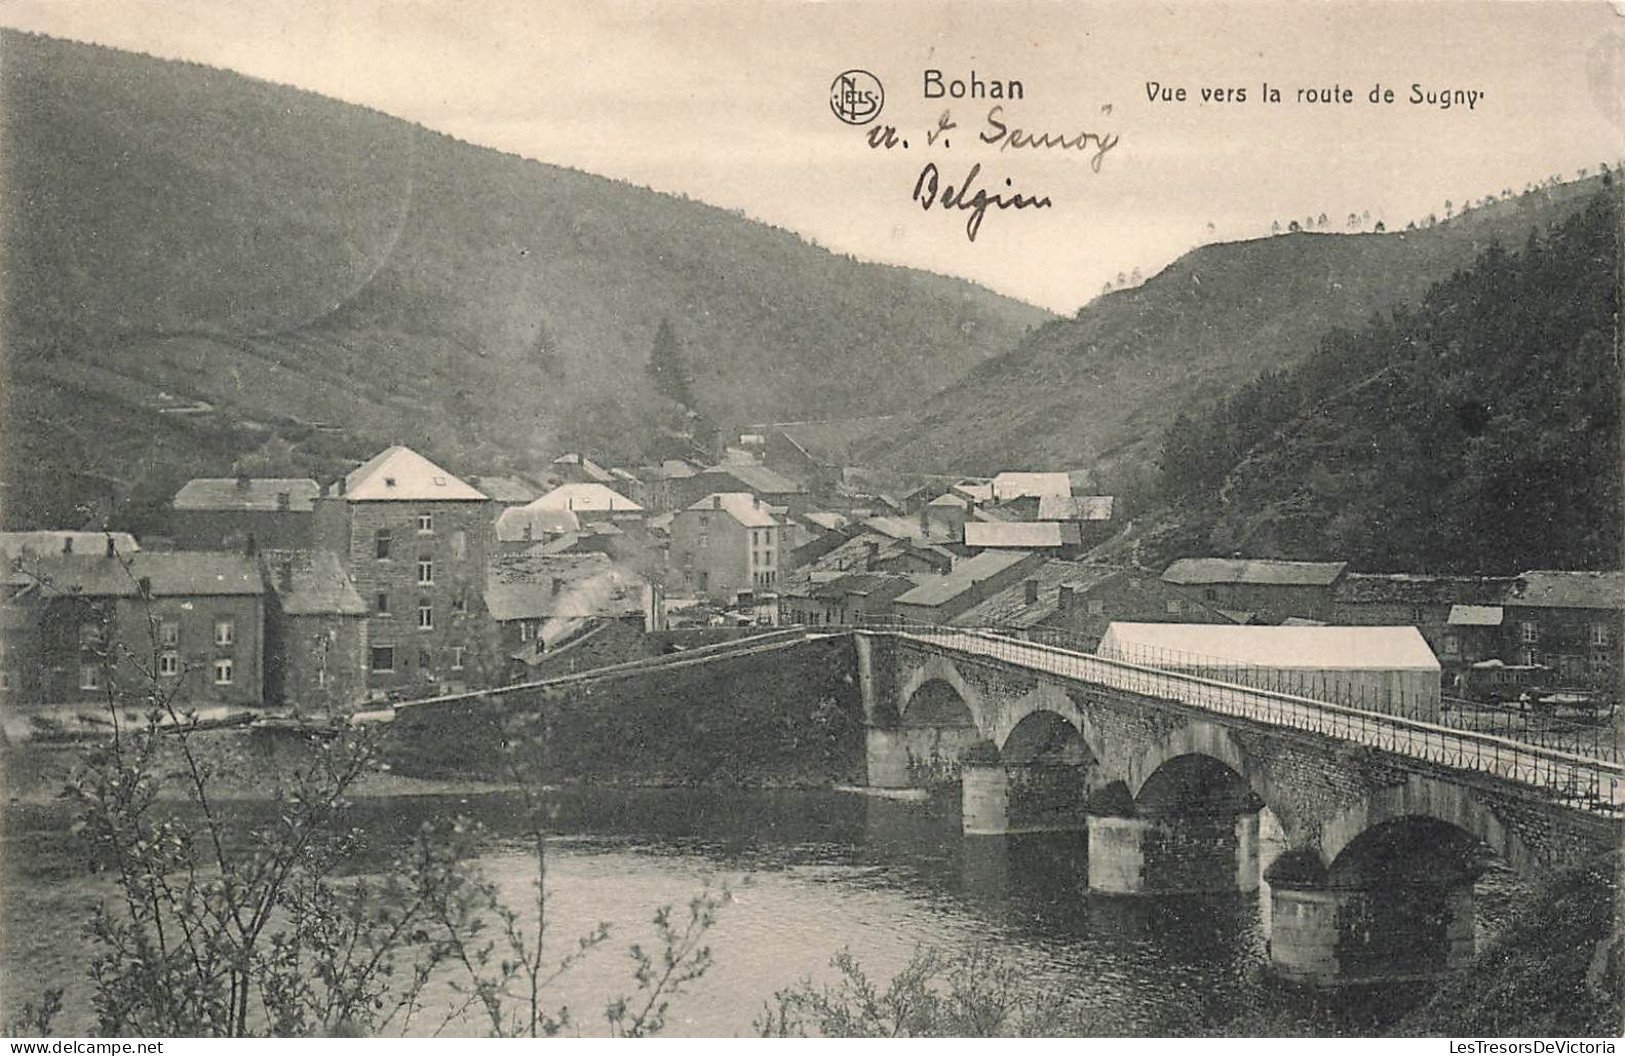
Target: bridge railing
pixel 1592 784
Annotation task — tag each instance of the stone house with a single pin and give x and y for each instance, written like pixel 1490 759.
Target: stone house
pixel 316 653
pixel 189 624
pixel 233 513
pixel 726 543
pixel 1077 602
pixel 414 540
pixel 1568 621
pixel 1269 591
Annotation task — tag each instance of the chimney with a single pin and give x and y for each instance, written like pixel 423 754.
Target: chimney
pixel 1030 591
pixel 284 577
pixel 338 486
pixel 250 547
pixel 284 500
pixel 925 521
pixel 756 500
pixel 322 490
pixel 716 502
pixel 1064 599
pixel 558 585
pixel 871 554
pixel 146 586
pixel 67 544
pixel 242 481
pixel 112 547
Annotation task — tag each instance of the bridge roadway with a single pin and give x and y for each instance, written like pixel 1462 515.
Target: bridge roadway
pixel 1592 784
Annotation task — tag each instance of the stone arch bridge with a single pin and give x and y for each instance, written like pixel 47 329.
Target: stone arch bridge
pixel 1386 822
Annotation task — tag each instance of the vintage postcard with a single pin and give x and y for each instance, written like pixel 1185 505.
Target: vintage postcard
pixel 870 518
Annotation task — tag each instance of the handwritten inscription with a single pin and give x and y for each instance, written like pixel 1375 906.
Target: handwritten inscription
pixel 946 196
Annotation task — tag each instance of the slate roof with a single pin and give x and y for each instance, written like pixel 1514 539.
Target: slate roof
pixel 830 522
pixel 1198 571
pixel 1014 485
pixel 742 506
pixel 1570 590
pixel 589 469
pixel 15 544
pixel 1031 535
pixel 1475 615
pixel 252 493
pixel 940 589
pixel 1406 589
pixel 585 498
pixel 522 586
pixel 315 583
pixel 172 573
pixel 1010 608
pixel 510 490
pixel 908 528
pixel 510 527
pixel 758 478
pixel 399 474
pixel 1075 507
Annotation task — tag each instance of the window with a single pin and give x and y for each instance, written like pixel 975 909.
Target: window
pixel 222 672
pixel 459 543
pixel 527 630
pixel 1528 631
pixel 90 676
pixel 1452 645
pixel 225 632
pixel 383 658
pixel 425 616
pixel 169 663
pixel 169 633
pixel 90 635
pixel 1210 594
pixel 1096 606
pixel 425 571
pixel 381 541
pixel 457 653
pixel 1602 635
pixel 1174 606
pixel 425 522
pixel 383 604
pixel 1417 615
pixel 424 662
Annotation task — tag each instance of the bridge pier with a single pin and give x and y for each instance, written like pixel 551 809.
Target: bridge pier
pixel 916 756
pixel 1002 799
pixel 1328 936
pixel 1177 854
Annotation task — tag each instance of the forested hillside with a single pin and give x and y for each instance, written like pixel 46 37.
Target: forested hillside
pixel 1476 432
pixel 196 261
pixel 1099 390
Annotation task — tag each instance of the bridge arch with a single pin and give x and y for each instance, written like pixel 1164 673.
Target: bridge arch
pixel 1423 797
pixel 924 697
pixel 1045 698
pixel 1044 736
pixel 1198 739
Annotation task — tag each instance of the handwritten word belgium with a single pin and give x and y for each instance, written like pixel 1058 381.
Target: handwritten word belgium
pixel 1320 95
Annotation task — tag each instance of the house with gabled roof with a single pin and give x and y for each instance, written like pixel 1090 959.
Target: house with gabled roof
pixel 414 539
pixel 725 543
pixel 99 627
pixel 232 513
pixel 1269 590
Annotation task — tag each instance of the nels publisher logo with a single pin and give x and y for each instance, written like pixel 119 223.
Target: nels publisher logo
pixel 856 97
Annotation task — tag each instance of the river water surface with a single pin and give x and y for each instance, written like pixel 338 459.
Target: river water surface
pixel 809 874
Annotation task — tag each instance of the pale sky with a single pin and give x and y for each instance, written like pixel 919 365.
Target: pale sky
pixel 729 103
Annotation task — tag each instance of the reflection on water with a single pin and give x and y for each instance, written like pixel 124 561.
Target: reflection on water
pixel 809 874
pixel 813 873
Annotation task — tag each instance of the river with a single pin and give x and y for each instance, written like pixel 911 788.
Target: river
pixel 810 873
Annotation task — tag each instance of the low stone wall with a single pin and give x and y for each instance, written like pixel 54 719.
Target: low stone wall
pixel 784 714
